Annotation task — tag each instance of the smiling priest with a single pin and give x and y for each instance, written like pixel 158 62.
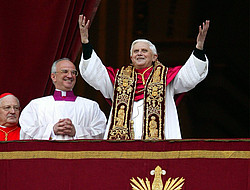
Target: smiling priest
pixel 62 116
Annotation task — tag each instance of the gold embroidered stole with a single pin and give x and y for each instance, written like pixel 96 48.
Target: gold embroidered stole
pixel 154 104
pixel 121 126
pixel 124 91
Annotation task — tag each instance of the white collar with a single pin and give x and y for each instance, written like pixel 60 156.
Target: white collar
pixel 63 93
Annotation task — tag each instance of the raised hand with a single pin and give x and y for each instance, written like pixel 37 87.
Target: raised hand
pixel 84 29
pixel 202 35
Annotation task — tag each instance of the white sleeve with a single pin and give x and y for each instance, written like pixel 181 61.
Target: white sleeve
pixel 30 127
pixel 193 72
pixel 95 126
pixel 201 67
pixel 95 74
pixel 23 135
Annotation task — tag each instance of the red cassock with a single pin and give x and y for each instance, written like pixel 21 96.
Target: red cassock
pixel 9 133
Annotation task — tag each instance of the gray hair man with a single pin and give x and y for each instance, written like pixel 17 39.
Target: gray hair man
pixel 144 91
pixel 62 116
pixel 9 116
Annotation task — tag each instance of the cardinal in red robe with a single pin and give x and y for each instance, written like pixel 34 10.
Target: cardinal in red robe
pixel 9 116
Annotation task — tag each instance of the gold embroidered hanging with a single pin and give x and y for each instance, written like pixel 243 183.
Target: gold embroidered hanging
pixel 121 126
pixel 154 104
pixel 124 90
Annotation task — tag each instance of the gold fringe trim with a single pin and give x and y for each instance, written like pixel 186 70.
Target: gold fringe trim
pixel 125 154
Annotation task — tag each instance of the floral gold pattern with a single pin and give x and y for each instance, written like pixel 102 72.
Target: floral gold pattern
pixel 154 107
pixel 120 128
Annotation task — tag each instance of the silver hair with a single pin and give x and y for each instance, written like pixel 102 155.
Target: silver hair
pixel 151 45
pixel 53 68
pixel 9 95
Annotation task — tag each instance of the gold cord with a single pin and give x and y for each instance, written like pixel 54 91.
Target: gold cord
pixel 142 75
pixel 6 134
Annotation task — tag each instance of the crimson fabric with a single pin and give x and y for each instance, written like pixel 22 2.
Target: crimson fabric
pixel 33 35
pixel 172 72
pixel 200 171
pixel 139 92
pixel 13 135
pixel 69 96
pixel 112 73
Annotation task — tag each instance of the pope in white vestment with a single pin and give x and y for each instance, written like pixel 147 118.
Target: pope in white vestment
pixel 193 72
pixel 143 55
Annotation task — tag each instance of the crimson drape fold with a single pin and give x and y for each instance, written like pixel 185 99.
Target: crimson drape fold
pixel 33 35
pixel 204 164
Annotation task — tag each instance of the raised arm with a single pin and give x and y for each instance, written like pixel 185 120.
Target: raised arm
pixel 84 29
pixel 202 35
pixel 91 67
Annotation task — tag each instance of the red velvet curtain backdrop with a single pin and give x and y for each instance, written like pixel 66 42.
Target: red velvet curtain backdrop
pixel 33 34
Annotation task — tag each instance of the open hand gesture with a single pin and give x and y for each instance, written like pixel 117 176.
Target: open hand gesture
pixel 84 29
pixel 202 35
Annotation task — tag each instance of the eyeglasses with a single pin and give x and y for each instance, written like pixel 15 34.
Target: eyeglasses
pixel 66 71
pixel 8 108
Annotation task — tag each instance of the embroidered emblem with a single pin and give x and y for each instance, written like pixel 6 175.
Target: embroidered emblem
pixel 154 106
pixel 171 183
pixel 120 128
pixel 153 131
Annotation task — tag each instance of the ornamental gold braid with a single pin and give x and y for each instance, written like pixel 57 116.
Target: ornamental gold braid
pixel 124 89
pixel 155 104
pixel 122 127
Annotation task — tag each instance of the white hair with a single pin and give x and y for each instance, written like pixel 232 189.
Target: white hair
pixel 9 95
pixel 151 45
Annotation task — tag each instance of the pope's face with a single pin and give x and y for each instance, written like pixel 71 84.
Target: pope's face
pixel 142 56
pixel 9 111
pixel 64 79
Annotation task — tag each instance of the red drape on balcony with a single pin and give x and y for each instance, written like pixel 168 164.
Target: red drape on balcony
pixel 70 165
pixel 33 34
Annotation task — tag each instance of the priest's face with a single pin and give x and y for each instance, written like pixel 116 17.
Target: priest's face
pixel 142 56
pixel 9 111
pixel 65 77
